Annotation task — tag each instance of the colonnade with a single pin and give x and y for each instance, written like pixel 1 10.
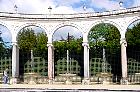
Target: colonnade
pixel 121 19
pixel 15 62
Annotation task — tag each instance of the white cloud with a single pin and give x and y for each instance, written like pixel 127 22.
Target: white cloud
pixel 34 6
pixel 136 3
pixel 106 4
pixel 41 6
pixel 63 9
pixel 67 2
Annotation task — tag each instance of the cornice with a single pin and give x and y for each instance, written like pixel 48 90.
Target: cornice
pixel 7 15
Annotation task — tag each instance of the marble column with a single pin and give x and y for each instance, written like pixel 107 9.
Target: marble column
pixel 50 62
pixel 86 63
pixel 53 61
pixel 124 61
pixel 15 64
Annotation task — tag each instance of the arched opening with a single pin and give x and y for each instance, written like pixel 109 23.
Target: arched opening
pixel 5 51
pixel 133 51
pixel 104 53
pixel 33 53
pixel 68 52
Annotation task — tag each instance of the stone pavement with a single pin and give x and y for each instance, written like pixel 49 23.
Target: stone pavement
pixel 76 87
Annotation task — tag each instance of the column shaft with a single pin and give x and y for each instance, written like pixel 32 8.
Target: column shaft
pixel 124 79
pixel 15 61
pixel 124 60
pixel 86 61
pixel 50 62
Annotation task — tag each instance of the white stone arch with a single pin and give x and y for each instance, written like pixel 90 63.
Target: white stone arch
pixel 130 22
pixel 18 29
pixel 108 22
pixel 105 21
pixel 67 24
pixel 9 29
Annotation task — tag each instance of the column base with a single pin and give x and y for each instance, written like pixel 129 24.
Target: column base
pixel 14 80
pixel 50 81
pixel 124 81
pixel 105 82
pixel 68 82
pixel 32 80
pixel 85 81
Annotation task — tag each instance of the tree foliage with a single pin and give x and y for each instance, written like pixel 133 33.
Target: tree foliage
pixel 73 44
pixel 4 50
pixel 28 40
pixel 41 46
pixel 133 35
pixel 104 35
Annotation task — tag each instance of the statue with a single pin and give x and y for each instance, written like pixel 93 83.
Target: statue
pixel 5 76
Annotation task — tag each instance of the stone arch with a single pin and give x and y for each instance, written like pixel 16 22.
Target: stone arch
pixel 67 24
pixel 130 22
pixel 105 21
pixel 5 25
pixel 24 60
pixel 132 49
pixel 30 24
pixel 105 52
pixel 75 57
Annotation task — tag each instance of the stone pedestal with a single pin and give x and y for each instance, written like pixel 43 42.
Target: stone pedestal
pixel 104 77
pixel 32 80
pixel 85 81
pixel 50 81
pixel 14 80
pixel 105 82
pixel 68 78
pixel 68 82
pixel 124 81
pixel 1 77
pixel 31 77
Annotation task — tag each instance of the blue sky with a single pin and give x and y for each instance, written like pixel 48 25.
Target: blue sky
pixel 61 7
pixel 65 6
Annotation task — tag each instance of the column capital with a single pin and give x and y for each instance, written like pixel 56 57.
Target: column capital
pixel 14 43
pixel 85 44
pixel 49 44
pixel 123 41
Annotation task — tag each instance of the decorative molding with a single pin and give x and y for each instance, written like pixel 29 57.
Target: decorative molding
pixel 14 43
pixel 85 44
pixel 123 41
pixel 69 16
pixel 49 45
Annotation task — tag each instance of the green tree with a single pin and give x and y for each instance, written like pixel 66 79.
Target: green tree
pixel 104 35
pixel 41 46
pixel 26 39
pixel 133 35
pixel 2 48
pixel 73 45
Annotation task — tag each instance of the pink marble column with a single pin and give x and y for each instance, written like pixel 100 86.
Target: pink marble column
pixel 124 61
pixel 50 61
